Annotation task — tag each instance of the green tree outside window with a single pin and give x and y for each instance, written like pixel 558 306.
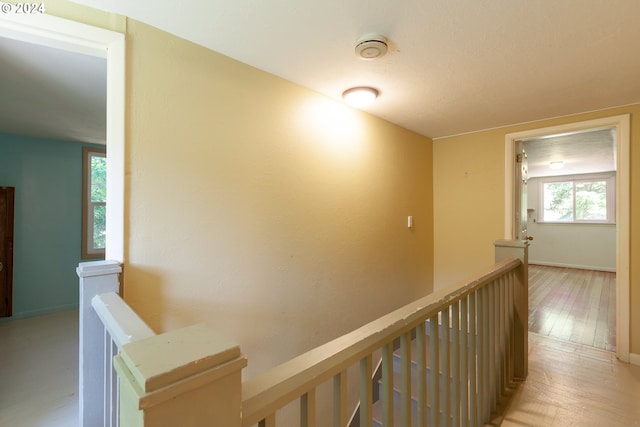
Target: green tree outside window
pixel 99 199
pixel 570 201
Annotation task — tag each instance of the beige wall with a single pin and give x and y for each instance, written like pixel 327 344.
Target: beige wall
pixel 272 212
pixel 248 194
pixel 469 186
pixel 264 208
pixel 468 204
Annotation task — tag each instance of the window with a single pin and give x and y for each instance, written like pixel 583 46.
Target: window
pixel 94 202
pixel 578 199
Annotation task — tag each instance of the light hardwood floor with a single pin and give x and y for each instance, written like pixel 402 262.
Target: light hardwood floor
pixel 573 305
pixel 39 371
pixel 572 384
pixel 574 376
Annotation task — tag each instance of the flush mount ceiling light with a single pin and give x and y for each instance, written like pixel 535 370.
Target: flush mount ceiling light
pixel 371 46
pixel 556 165
pixel 360 96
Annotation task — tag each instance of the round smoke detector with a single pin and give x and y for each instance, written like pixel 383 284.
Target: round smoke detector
pixel 371 46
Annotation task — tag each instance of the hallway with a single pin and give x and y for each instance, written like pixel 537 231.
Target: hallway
pixel 574 376
pixel 571 384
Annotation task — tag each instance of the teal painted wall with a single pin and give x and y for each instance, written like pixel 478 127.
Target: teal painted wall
pixel 47 175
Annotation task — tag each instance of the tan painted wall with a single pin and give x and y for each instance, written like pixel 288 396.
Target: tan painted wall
pixel 468 204
pixel 468 173
pixel 274 204
pixel 272 212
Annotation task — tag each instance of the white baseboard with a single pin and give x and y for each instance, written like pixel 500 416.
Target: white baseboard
pixel 580 267
pixel 39 312
pixel 634 359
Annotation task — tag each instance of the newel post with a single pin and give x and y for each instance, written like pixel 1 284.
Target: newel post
pixel 189 377
pixel 96 277
pixel 508 249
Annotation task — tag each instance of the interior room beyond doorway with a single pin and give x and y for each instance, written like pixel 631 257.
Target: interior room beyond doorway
pixel 571 214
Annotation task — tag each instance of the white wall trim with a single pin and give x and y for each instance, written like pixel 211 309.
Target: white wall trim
pixel 634 359
pixel 39 312
pixel 76 37
pixel 622 125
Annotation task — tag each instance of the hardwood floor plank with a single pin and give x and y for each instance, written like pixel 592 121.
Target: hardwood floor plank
pixel 571 384
pixel 564 324
pixel 587 334
pixel 572 304
pixel 601 324
pixel 611 320
pixel 541 312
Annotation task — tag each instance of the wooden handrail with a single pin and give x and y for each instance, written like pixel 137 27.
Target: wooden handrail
pixel 264 394
pixel 122 323
pixel 129 374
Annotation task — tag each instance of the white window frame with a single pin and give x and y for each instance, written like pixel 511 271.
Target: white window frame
pixel 88 206
pixel 609 177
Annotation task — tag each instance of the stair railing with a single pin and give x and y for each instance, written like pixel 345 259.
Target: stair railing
pixel 461 348
pixel 106 324
pixel 470 347
pixel 130 376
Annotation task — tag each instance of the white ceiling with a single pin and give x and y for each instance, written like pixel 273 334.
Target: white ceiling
pixel 52 93
pixel 582 152
pixel 453 66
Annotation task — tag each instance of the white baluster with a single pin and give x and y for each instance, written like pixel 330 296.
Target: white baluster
pixel 340 399
pixel 387 385
pixel 445 363
pixel 503 335
pixel 492 347
pixel 464 362
pixel 308 409
pixel 366 406
pixel 421 361
pixel 405 386
pixel 434 371
pixel 455 364
pixel 96 278
pixel 474 361
pixel 270 421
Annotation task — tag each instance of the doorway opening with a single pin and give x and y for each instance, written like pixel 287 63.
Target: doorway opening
pixel 571 213
pixel 619 125
pixel 48 51
pixel 51 31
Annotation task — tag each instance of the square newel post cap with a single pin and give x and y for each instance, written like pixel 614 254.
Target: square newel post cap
pixel 511 249
pixel 164 365
pixel 511 243
pixel 98 268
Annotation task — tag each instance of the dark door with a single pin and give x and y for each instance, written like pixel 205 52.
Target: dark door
pixel 7 198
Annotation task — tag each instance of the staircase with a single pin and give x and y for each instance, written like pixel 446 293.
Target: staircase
pixel 448 398
pixel 458 350
pixel 397 381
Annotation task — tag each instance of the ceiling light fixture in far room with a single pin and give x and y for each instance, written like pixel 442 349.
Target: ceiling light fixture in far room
pixel 371 46
pixel 360 96
pixel 556 165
